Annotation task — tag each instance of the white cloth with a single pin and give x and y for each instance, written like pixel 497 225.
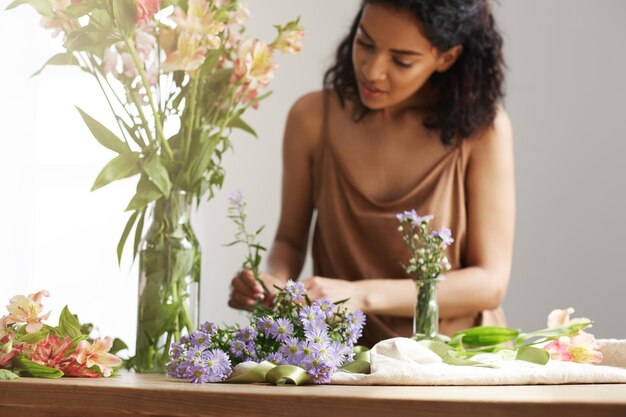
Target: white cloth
pixel 402 361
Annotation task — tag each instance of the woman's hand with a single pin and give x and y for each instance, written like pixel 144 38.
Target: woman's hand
pixel 244 290
pixel 336 290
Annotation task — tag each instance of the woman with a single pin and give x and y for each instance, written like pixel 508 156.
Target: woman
pixel 409 119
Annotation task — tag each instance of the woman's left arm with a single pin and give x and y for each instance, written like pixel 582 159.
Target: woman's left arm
pixel 490 193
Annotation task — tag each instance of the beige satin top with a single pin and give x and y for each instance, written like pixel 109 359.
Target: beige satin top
pixel 356 237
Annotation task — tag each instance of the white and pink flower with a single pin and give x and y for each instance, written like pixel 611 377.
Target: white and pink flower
pixel 255 65
pixel 97 354
pixel 26 310
pixel 289 41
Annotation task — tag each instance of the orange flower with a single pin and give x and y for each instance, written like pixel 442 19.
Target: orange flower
pixel 97 354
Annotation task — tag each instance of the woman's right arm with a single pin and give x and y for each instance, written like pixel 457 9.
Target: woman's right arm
pixel 288 253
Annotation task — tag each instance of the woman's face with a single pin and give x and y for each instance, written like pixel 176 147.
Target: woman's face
pixel 392 58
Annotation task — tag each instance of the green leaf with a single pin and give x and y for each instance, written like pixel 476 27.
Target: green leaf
pixel 124 14
pixel 533 354
pixel 210 60
pixel 125 233
pixel 69 326
pixel 486 335
pixel 104 135
pixel 138 233
pixel 118 345
pixel 35 369
pixel 6 375
pixel 158 175
pixel 88 39
pixel 42 6
pixel 238 123
pixel 63 58
pixel 122 166
pixel 146 193
pixel 32 338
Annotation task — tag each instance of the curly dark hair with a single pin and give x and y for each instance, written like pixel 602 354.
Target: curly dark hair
pixel 469 92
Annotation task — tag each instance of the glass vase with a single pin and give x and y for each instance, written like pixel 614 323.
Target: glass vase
pixel 169 279
pixel 426 317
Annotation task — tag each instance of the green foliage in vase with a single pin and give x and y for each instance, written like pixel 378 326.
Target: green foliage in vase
pixel 177 75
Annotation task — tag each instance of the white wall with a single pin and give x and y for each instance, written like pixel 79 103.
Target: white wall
pixel 566 99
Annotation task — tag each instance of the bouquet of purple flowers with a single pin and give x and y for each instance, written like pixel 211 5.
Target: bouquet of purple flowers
pixel 318 336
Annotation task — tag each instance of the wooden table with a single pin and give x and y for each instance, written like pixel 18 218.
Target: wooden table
pixel 156 395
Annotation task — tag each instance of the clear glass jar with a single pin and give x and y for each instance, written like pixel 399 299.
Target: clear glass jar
pixel 426 317
pixel 169 280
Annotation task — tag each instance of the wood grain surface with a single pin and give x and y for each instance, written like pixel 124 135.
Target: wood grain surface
pixel 157 395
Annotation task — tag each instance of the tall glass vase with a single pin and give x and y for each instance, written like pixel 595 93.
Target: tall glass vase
pixel 426 317
pixel 169 279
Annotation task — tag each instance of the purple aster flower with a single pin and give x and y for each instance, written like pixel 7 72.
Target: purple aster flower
pixel 238 348
pixel 208 327
pixel 172 369
pixel 356 319
pixel 184 340
pixel 265 324
pixel 310 313
pixel 305 351
pixel 236 197
pixel 184 369
pixel 194 352
pixel 445 235
pixel 200 339
pixel 198 375
pixel 246 334
pixel 218 365
pixel 320 374
pixel 175 350
pixel 290 349
pixel 276 358
pixel 295 291
pixel 281 329
pixel 317 335
pixel 413 217
pixel 325 305
pixel 337 353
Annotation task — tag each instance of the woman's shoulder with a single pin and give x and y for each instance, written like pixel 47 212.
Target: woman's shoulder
pixel 306 116
pixel 495 138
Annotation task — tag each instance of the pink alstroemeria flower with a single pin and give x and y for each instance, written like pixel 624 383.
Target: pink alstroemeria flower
pixel 558 349
pixel 26 310
pixel 8 350
pixel 51 351
pixel 289 42
pixel 584 348
pixel 255 65
pixel 97 354
pixel 561 318
pixel 146 9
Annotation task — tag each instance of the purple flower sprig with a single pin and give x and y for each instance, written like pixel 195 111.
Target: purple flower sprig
pixel 238 214
pixel 197 358
pixel 318 336
pixel 428 248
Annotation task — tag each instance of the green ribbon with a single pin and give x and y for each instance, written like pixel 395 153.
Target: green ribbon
pixel 532 354
pixel 361 363
pixel 274 374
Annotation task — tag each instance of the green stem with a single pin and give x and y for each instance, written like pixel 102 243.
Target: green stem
pixel 192 114
pixel 155 111
pixel 93 72
pixel 142 115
